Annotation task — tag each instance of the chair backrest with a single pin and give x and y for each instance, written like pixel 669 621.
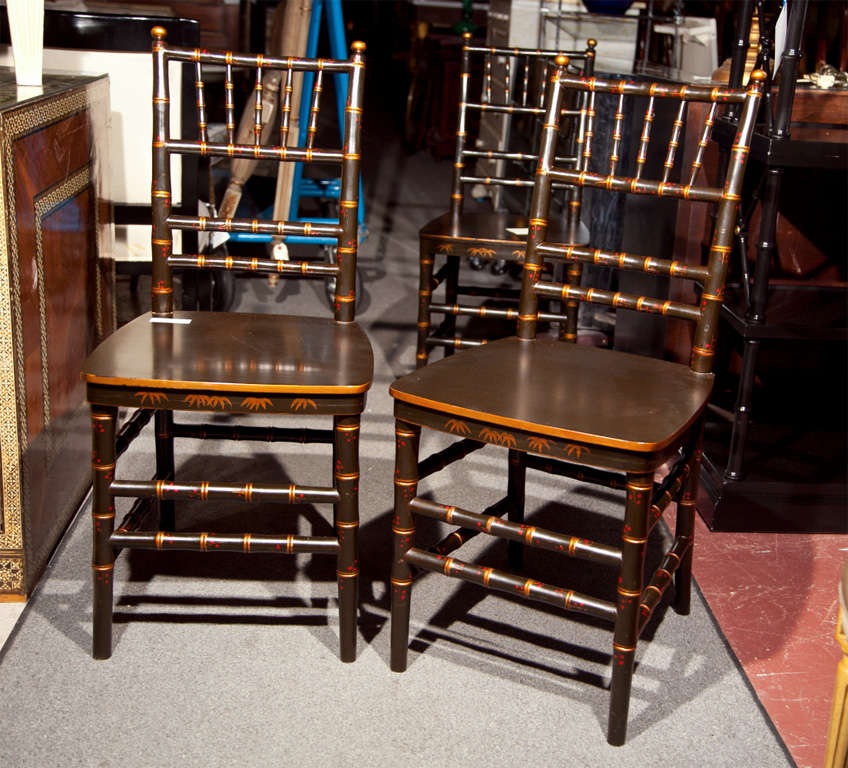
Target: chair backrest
pixel 632 180
pixel 507 114
pixel 348 156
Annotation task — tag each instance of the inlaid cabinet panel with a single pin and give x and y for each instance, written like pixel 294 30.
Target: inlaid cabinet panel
pixel 56 303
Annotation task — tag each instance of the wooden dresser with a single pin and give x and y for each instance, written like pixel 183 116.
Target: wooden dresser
pixel 56 303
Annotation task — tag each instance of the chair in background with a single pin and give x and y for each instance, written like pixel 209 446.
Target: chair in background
pixel 591 414
pixel 499 132
pixel 232 363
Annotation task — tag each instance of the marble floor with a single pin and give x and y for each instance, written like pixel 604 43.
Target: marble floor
pixel 774 595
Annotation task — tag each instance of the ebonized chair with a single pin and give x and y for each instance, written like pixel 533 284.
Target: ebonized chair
pixel 586 413
pixel 500 134
pixel 232 363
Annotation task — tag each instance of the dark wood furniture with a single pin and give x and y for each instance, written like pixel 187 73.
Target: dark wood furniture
pixel 222 24
pixel 224 363
pixel 591 414
pixel 772 466
pixel 496 150
pixel 56 304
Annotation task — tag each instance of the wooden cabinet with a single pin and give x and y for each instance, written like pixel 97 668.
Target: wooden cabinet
pixel 220 21
pixel 56 303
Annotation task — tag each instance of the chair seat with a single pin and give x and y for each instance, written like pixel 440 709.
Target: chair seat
pixel 494 228
pixel 235 352
pixel 564 390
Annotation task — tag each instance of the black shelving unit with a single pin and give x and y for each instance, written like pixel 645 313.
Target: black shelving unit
pixel 775 458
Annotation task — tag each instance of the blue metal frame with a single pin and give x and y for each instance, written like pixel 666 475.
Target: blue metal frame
pixel 328 189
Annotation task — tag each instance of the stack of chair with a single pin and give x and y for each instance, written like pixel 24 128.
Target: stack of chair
pixel 497 147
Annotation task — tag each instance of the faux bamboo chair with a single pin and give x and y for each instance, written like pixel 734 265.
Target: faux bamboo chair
pixel 586 413
pixel 231 363
pixel 490 135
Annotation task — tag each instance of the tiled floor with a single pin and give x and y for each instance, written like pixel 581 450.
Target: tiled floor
pixel 774 596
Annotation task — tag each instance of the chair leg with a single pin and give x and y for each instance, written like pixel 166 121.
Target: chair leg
pixel 425 297
pixel 103 420
pixel 516 477
pixel 572 307
pixel 164 425
pixel 407 437
pixel 630 585
pixel 451 295
pixel 346 518
pixel 685 528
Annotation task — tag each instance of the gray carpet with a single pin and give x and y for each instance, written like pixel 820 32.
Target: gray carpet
pixel 218 665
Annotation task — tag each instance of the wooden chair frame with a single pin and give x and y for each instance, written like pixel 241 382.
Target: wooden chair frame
pixel 641 415
pixel 169 361
pixel 457 235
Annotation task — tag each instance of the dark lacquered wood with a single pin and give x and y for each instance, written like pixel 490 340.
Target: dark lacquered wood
pixel 346 521
pixel 235 352
pixel 566 391
pixel 582 412
pixel 407 437
pixel 103 522
pixel 230 363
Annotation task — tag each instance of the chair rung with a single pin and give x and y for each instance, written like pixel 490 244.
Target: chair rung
pixel 458 309
pixel 494 180
pixel 277 266
pixel 167 489
pixel 493 154
pixel 584 474
pixel 502 581
pixel 263 434
pixel 254 152
pixel 552 317
pixel 459 536
pixel 131 429
pixel 667 491
pixel 618 299
pixel 224 542
pixel 492 312
pixel 563 252
pixel 456 342
pixel 529 535
pixel 652 594
pixel 506 109
pixel 438 461
pixel 254 226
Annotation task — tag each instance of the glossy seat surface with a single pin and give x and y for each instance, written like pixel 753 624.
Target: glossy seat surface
pixel 236 352
pixel 492 227
pixel 592 395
